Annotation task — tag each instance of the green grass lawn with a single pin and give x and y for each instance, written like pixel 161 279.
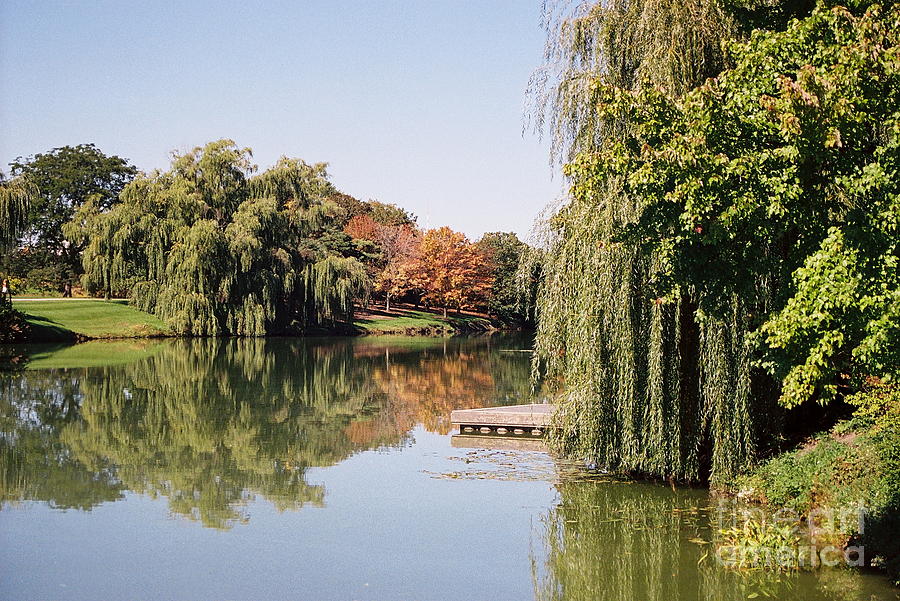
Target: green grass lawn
pixel 53 320
pixel 413 321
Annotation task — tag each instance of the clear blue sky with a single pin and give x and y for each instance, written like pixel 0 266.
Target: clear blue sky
pixel 414 102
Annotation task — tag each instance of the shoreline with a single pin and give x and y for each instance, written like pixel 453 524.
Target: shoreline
pixel 74 320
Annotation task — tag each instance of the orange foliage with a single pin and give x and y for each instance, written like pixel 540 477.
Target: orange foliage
pixel 363 227
pixel 441 265
pixel 400 245
pixel 450 270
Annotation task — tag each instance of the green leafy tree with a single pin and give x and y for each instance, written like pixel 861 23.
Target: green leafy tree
pixel 760 206
pixel 504 252
pixel 777 184
pixel 16 197
pixel 68 178
pixel 379 212
pixel 635 397
pixel 390 214
pixel 212 249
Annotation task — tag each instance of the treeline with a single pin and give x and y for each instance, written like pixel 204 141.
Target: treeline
pixel 214 247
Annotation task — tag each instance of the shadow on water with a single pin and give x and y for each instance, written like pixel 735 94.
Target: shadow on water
pixel 210 423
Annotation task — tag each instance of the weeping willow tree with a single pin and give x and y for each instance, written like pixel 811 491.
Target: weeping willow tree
pixel 652 384
pixel 213 249
pixel 16 196
pixel 676 277
pixel 625 44
pixel 637 397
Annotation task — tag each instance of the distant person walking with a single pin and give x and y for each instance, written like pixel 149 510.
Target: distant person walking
pixel 7 293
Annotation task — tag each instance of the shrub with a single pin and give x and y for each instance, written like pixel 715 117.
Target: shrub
pixel 857 463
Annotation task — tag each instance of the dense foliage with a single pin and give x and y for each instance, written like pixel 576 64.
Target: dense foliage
pixel 449 270
pixel 856 464
pixel 13 325
pixel 440 266
pixel 635 398
pixel 16 197
pixel 394 241
pixel 68 178
pixel 503 252
pixel 212 249
pixel 785 164
pixel 758 207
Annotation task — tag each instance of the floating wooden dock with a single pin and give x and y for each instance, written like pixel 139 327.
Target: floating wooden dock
pixel 515 420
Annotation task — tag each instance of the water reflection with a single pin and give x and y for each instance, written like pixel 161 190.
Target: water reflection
pixel 621 541
pixel 210 424
pixel 207 426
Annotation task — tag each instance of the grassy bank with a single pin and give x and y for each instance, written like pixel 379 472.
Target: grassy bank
pixel 855 464
pixel 56 320
pixel 66 319
pixel 410 321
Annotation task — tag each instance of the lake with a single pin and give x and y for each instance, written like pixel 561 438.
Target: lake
pixel 257 469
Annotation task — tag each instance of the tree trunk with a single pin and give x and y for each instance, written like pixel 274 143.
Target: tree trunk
pixel 387 302
pixel 445 311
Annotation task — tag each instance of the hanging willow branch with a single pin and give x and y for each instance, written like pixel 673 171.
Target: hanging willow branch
pixel 16 195
pixel 650 387
pixel 623 44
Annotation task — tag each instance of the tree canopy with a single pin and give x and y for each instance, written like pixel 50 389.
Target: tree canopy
pixel 777 183
pixel 727 241
pixel 213 249
pixel 503 252
pixel 68 178
pixel 449 270
pixel 16 197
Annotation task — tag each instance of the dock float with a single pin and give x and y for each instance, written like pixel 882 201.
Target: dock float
pixel 498 443
pixel 514 420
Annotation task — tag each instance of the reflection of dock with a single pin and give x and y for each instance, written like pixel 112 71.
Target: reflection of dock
pixel 513 421
pixel 503 443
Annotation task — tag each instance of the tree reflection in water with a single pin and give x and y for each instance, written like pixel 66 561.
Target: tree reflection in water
pixel 210 424
pixel 621 541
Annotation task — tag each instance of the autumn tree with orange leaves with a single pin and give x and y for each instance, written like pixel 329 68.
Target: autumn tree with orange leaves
pixel 398 245
pixel 450 270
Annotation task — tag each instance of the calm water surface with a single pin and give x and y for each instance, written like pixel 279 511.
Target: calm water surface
pixel 324 469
